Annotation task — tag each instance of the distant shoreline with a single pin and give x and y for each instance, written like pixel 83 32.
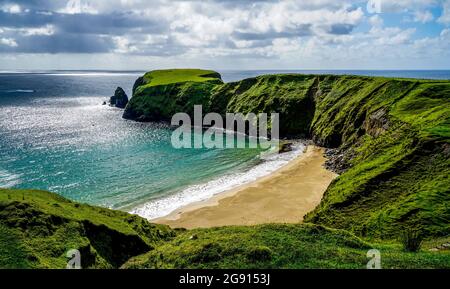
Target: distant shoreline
pixel 284 196
pixel 232 75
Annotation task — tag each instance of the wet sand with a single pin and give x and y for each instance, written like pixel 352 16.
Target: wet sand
pixel 284 196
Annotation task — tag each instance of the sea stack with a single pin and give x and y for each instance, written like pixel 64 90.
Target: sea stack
pixel 119 99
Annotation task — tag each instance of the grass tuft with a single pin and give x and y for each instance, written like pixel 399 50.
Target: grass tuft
pixel 412 241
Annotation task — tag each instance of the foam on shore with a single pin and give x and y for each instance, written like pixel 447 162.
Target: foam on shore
pixel 164 206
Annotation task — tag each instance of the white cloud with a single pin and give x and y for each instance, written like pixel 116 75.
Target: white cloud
pixel 399 6
pixel 392 35
pixel 286 32
pixel 45 30
pixel 11 8
pixel 8 42
pixel 123 45
pixel 445 33
pixel 445 17
pixel 423 16
pixel 376 21
pixel 78 6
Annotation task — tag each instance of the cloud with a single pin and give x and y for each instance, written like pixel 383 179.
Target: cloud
pixel 376 21
pixel 187 24
pixel 423 16
pixel 78 7
pixel 233 30
pixel 60 43
pixel 445 17
pixel 8 42
pixel 44 30
pixel 399 6
pixel 11 8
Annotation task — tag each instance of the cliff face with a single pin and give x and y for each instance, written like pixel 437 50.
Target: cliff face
pixel 160 94
pixel 395 135
pixel 289 95
pixel 392 135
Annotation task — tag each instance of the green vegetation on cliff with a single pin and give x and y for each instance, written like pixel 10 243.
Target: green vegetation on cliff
pixel 161 93
pixel 392 135
pixel 289 95
pixel 38 228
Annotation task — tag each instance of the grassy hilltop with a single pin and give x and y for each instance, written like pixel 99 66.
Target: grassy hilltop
pixel 170 90
pixel 165 77
pixel 391 145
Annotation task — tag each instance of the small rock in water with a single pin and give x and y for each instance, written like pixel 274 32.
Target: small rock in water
pixel 119 99
pixel 285 147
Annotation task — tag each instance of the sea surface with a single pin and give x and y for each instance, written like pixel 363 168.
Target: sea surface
pixel 56 135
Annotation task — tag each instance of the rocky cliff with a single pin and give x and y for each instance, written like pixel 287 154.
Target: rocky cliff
pixel 160 94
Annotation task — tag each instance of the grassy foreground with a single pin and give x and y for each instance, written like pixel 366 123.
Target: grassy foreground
pixel 280 246
pixel 37 229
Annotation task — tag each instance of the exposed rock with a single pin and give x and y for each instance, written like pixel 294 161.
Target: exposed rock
pixel 285 147
pixel 377 123
pixel 338 160
pixel 119 99
pixel 442 247
pixel 137 83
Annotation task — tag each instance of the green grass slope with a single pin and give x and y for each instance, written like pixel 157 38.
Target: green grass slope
pixel 37 229
pixel 394 135
pixel 289 95
pixel 279 246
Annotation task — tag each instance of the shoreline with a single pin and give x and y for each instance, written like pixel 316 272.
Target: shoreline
pixel 283 196
pixel 262 165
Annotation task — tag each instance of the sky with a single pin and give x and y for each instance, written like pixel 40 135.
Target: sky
pixel 224 34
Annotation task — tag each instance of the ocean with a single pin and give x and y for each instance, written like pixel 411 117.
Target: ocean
pixel 56 135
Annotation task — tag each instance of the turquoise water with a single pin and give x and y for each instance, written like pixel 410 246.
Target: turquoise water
pixel 56 135
pixel 85 151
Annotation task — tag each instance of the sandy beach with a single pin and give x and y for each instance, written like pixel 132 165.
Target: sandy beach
pixel 284 196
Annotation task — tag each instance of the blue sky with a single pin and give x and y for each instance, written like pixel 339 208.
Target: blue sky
pixel 224 34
